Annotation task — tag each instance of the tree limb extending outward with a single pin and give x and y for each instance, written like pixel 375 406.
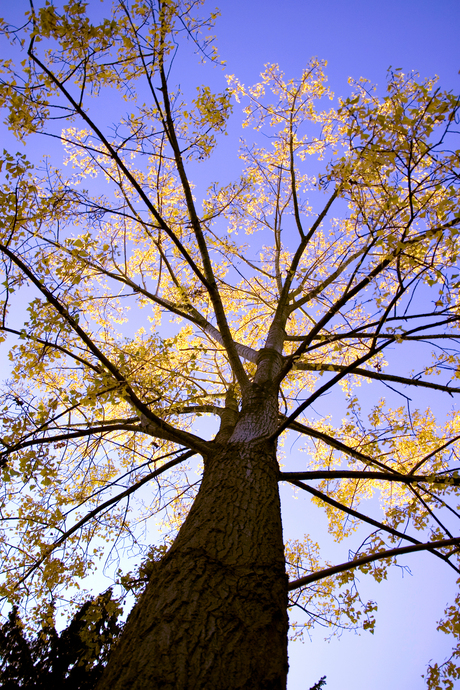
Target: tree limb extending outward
pixel 377 375
pixel 390 553
pixel 103 506
pixel 439 479
pixel 365 518
pixel 148 418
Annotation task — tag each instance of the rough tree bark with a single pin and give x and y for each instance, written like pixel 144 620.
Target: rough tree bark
pixel 214 612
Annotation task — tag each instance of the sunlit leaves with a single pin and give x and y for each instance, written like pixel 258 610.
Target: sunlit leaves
pixel 347 612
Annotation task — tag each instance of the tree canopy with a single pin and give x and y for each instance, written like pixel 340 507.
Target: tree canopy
pixel 330 263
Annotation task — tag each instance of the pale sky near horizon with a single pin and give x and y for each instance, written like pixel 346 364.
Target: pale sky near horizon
pixel 357 38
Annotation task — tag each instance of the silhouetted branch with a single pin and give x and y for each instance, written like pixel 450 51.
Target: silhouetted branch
pixel 349 565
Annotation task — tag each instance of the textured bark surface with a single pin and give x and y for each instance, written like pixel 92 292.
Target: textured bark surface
pixel 214 613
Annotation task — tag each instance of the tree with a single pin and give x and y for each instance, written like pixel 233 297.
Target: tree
pixel 73 659
pixel 312 304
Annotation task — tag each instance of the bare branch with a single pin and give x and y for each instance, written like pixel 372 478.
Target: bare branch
pixel 325 283
pixel 298 255
pixel 119 161
pixel 111 501
pixel 379 376
pixel 104 429
pixel 54 346
pixel 350 511
pixel 210 284
pixel 430 455
pixel 431 479
pixel 349 565
pixel 334 443
pixel 154 423
pixel 320 391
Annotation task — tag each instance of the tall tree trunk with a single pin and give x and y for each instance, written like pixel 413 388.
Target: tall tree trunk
pixel 214 612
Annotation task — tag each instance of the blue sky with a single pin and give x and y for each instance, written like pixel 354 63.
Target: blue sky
pixel 358 37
